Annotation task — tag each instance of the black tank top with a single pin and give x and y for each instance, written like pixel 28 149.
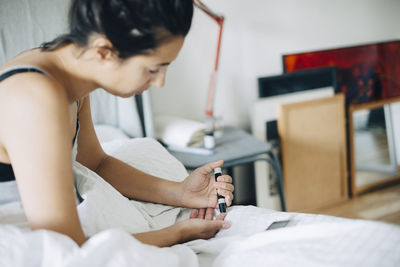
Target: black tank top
pixel 6 170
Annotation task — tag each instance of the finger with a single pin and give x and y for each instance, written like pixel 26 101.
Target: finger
pixel 229 200
pixel 209 167
pixel 193 214
pixel 224 224
pixel 227 194
pixel 221 216
pixel 209 214
pixel 218 225
pixel 201 213
pixel 224 186
pixel 225 178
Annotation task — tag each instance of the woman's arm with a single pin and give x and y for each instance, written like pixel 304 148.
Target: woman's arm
pixel 35 130
pixel 129 181
pixel 136 184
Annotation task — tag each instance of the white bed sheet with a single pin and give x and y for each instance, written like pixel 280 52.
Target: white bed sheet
pixel 107 216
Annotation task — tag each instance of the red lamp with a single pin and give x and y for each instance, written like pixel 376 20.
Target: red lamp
pixel 219 19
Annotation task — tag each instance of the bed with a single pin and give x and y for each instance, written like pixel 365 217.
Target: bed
pixel 109 218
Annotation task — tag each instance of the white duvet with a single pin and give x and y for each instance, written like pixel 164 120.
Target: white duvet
pixel 109 218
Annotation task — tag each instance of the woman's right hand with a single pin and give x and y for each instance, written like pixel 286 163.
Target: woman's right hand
pixel 201 225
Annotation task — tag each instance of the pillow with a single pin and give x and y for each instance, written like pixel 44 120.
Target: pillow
pixel 103 207
pixel 107 133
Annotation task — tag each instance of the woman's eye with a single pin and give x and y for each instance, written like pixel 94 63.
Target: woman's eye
pixel 153 71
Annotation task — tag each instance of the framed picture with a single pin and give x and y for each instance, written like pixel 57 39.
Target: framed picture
pixel 373 128
pixel 365 73
pixel 298 81
pixel 292 87
pixel 275 91
pixel 314 160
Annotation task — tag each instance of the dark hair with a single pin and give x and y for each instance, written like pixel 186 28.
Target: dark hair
pixel 132 26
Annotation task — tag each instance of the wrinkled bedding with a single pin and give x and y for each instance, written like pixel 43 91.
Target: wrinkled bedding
pixel 109 218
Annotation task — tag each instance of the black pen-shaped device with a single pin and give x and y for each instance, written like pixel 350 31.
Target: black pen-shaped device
pixel 221 199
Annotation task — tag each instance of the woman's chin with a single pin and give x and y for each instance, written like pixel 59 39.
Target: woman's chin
pixel 139 92
pixel 126 95
pixel 131 93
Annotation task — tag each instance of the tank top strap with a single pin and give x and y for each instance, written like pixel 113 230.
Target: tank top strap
pixel 20 69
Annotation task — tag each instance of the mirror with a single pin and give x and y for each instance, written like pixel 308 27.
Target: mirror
pixel 373 146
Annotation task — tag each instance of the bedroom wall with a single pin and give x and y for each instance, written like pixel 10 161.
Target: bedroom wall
pixel 257 33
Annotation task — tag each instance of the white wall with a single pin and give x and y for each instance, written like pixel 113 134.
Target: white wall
pixel 257 33
pixel 36 22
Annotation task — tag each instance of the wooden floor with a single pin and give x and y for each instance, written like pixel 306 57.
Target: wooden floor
pixel 380 205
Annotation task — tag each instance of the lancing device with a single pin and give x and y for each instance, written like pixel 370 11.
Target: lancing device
pixel 221 199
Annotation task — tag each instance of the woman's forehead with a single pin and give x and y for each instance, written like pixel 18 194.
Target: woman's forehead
pixel 169 50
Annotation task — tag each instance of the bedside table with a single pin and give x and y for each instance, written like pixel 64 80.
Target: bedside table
pixel 236 147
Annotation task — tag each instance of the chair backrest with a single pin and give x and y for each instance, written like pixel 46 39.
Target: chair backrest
pixel 25 24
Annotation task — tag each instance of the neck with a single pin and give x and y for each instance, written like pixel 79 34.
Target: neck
pixel 74 73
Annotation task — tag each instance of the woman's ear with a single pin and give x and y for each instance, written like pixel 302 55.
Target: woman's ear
pixel 103 50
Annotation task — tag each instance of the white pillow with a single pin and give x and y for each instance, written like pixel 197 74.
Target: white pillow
pixel 107 133
pixel 104 207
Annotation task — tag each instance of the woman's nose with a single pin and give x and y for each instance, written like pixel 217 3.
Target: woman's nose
pixel 159 80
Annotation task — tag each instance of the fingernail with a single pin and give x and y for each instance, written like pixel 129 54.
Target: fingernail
pixel 226 225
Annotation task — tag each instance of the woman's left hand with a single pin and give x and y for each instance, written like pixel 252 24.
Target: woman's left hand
pixel 199 190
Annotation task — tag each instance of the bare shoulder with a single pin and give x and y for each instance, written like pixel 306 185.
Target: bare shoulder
pixel 28 97
pixel 31 87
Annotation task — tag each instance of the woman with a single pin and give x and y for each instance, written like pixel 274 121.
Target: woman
pixel 123 46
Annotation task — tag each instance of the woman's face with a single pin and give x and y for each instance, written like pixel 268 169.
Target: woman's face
pixel 136 74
